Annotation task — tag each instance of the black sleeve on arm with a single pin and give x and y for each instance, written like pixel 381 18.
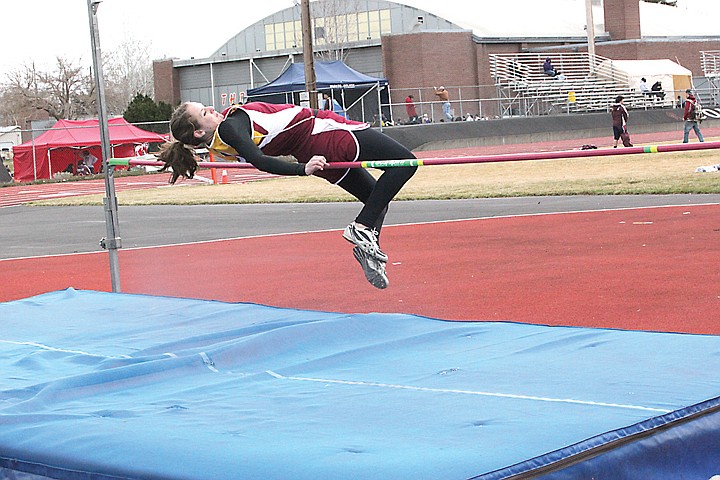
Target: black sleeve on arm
pixel 236 132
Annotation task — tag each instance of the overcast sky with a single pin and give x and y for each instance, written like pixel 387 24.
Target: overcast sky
pixel 40 30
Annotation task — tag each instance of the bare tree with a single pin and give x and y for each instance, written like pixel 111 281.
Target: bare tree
pixel 335 24
pixel 14 109
pixel 65 92
pixel 128 72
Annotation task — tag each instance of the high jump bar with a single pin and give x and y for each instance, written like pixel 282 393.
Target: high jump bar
pixel 419 162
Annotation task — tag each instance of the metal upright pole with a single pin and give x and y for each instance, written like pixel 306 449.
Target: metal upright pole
pixel 112 242
pixel 380 117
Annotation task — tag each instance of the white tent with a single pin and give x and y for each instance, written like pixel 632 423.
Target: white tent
pixel 674 77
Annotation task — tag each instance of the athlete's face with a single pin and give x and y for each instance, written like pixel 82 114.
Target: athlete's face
pixel 206 119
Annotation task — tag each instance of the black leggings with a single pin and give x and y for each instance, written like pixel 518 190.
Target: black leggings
pixel 377 194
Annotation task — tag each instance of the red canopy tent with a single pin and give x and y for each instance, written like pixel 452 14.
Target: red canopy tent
pixel 60 147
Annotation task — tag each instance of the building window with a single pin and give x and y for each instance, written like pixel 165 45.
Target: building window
pixel 352 27
pixel 374 23
pixel 279 36
pixel 363 29
pixel 336 29
pixel 385 21
pixel 269 37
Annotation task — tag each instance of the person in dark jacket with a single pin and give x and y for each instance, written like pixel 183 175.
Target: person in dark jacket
pixel 548 68
pixel 619 121
pixel 657 90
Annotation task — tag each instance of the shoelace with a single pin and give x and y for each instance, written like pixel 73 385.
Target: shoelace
pixel 373 234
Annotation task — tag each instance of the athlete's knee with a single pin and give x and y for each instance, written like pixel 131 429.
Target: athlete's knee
pixel 402 174
pixel 410 171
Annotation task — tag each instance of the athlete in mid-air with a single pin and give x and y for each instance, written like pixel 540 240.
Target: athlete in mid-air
pixel 260 132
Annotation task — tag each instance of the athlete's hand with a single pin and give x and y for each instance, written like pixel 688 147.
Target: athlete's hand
pixel 316 163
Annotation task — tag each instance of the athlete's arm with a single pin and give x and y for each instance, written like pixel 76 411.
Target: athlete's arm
pixel 236 131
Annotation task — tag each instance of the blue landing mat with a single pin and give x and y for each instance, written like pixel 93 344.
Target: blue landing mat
pixel 106 386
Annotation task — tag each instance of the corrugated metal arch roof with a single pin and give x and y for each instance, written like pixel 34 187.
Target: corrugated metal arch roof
pixel 404 19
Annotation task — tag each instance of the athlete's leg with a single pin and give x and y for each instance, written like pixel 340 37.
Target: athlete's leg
pixel 360 183
pixel 376 195
pixel 617 131
pixel 376 146
pixel 373 268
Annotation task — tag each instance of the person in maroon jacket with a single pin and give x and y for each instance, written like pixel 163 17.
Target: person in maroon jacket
pixel 619 121
pixel 262 133
pixel 691 122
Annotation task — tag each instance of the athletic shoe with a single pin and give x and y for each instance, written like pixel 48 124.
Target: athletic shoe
pixel 374 269
pixel 366 239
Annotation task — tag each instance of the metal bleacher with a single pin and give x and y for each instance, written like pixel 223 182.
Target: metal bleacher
pixel 586 84
pixel 710 62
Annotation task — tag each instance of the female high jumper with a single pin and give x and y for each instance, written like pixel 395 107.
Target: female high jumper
pixel 260 132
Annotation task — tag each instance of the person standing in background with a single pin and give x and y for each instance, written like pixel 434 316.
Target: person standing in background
pixel 444 96
pixel 619 122
pixel 333 105
pixel 690 117
pixel 410 109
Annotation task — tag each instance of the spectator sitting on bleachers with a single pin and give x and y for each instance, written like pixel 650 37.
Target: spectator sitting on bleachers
pixel 644 89
pixel 548 68
pixel 657 90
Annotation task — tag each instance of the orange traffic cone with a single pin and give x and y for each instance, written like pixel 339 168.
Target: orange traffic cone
pixel 224 178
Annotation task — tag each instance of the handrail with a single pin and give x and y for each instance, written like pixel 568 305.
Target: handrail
pixel 710 63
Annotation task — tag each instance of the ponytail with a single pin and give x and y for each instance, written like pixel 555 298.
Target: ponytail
pixel 179 158
pixel 176 155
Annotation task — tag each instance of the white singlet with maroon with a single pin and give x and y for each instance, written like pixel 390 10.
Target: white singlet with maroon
pixel 300 132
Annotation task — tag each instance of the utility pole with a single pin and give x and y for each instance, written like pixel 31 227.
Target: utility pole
pixel 112 242
pixel 590 33
pixel 308 59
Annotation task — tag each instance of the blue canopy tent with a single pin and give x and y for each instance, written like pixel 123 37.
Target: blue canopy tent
pixel 352 89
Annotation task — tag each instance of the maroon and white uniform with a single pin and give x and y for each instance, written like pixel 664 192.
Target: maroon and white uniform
pixel 297 131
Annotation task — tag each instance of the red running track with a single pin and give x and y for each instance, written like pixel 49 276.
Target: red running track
pixel 19 194
pixel 644 269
